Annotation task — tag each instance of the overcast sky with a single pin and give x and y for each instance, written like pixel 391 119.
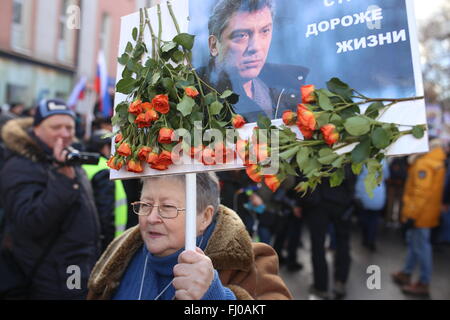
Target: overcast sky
pixel 425 8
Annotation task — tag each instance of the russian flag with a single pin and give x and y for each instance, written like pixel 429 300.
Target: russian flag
pixel 77 93
pixel 101 86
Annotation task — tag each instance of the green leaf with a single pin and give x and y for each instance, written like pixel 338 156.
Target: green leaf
pixel 324 101
pixel 361 152
pixel 289 170
pixel 263 122
pixel 381 138
pixel 177 56
pixel 215 108
pixel 289 153
pixel 123 60
pixel 327 156
pixel 373 111
pixel 337 178
pixel 337 86
pixel 135 33
pixel 186 105
pixel 129 47
pixel 357 126
pixel 357 168
pixel 210 98
pixel 336 120
pixel 155 78
pixel 168 46
pixel 312 166
pixel 418 132
pixel 131 118
pixel 196 116
pixel 338 162
pixel 226 94
pixel 167 83
pixel 302 157
pixel 185 40
pixel 122 107
pixel 323 119
pixel 126 85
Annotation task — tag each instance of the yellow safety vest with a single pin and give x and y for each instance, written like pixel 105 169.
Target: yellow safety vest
pixel 121 206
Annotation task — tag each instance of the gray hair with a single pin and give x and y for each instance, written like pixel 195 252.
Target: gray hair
pixel 208 190
pixel 224 9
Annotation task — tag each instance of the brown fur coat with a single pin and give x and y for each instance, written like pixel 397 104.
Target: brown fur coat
pixel 249 269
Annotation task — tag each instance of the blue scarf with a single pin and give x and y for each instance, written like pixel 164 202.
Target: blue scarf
pixel 148 276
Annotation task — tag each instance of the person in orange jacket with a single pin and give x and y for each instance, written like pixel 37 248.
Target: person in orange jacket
pixel 422 202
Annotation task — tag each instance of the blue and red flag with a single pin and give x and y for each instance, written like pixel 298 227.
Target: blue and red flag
pixel 101 86
pixel 77 93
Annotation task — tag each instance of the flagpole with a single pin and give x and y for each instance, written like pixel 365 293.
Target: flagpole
pixel 191 211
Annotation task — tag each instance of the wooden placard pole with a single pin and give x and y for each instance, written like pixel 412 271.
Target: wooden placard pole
pixel 191 211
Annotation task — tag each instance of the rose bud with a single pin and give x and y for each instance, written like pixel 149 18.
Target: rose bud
pixel 254 173
pixel 152 158
pixel 330 134
pixel 159 166
pixel 191 92
pixel 161 103
pixel 144 152
pixel 124 150
pixel 272 181
pixel 152 115
pixel 289 117
pixel 146 106
pixel 143 120
pixel 308 93
pixel 119 138
pixel 113 163
pixel 134 166
pixel 237 121
pixel 305 118
pixel 307 134
pixel 165 158
pixel 165 135
pixel 135 107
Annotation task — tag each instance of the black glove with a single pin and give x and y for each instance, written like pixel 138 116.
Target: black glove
pixel 410 223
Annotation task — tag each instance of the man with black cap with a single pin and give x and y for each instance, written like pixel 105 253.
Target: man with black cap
pixel 51 220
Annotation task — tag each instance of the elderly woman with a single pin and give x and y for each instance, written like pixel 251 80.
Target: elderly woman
pixel 149 261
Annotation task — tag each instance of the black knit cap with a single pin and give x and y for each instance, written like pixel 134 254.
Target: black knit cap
pixel 51 107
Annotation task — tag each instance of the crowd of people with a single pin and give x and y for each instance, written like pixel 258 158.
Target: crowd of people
pixel 55 214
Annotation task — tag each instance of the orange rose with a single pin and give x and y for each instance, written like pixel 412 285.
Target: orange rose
pixel 119 138
pixel 191 92
pixel 124 150
pixel 161 103
pixel 330 134
pixel 165 135
pixel 152 158
pixel 146 106
pixel 165 158
pixel 152 115
pixel 113 163
pixel 134 166
pixel 272 182
pixel 254 173
pixel 308 93
pixel 143 120
pixel 289 117
pixel 237 121
pixel 305 117
pixel 307 134
pixel 135 107
pixel 144 152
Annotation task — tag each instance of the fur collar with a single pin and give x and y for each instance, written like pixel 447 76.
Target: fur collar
pixel 17 139
pixel 230 248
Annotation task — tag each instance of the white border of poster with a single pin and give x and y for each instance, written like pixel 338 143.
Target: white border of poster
pixel 405 113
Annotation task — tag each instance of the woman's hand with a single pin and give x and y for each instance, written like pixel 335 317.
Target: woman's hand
pixel 193 275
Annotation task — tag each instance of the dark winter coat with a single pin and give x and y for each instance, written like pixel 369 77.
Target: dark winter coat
pixel 41 203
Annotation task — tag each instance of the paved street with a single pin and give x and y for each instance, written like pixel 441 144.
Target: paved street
pixel 389 257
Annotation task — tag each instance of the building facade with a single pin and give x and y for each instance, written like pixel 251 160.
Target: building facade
pixel 46 46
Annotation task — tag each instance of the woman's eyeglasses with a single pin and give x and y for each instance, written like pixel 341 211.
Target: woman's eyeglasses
pixel 165 211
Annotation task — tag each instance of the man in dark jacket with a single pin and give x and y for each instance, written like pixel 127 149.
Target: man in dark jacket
pixel 48 204
pixel 325 206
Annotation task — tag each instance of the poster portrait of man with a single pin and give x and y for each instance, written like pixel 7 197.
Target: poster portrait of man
pixel 265 50
pixel 239 40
